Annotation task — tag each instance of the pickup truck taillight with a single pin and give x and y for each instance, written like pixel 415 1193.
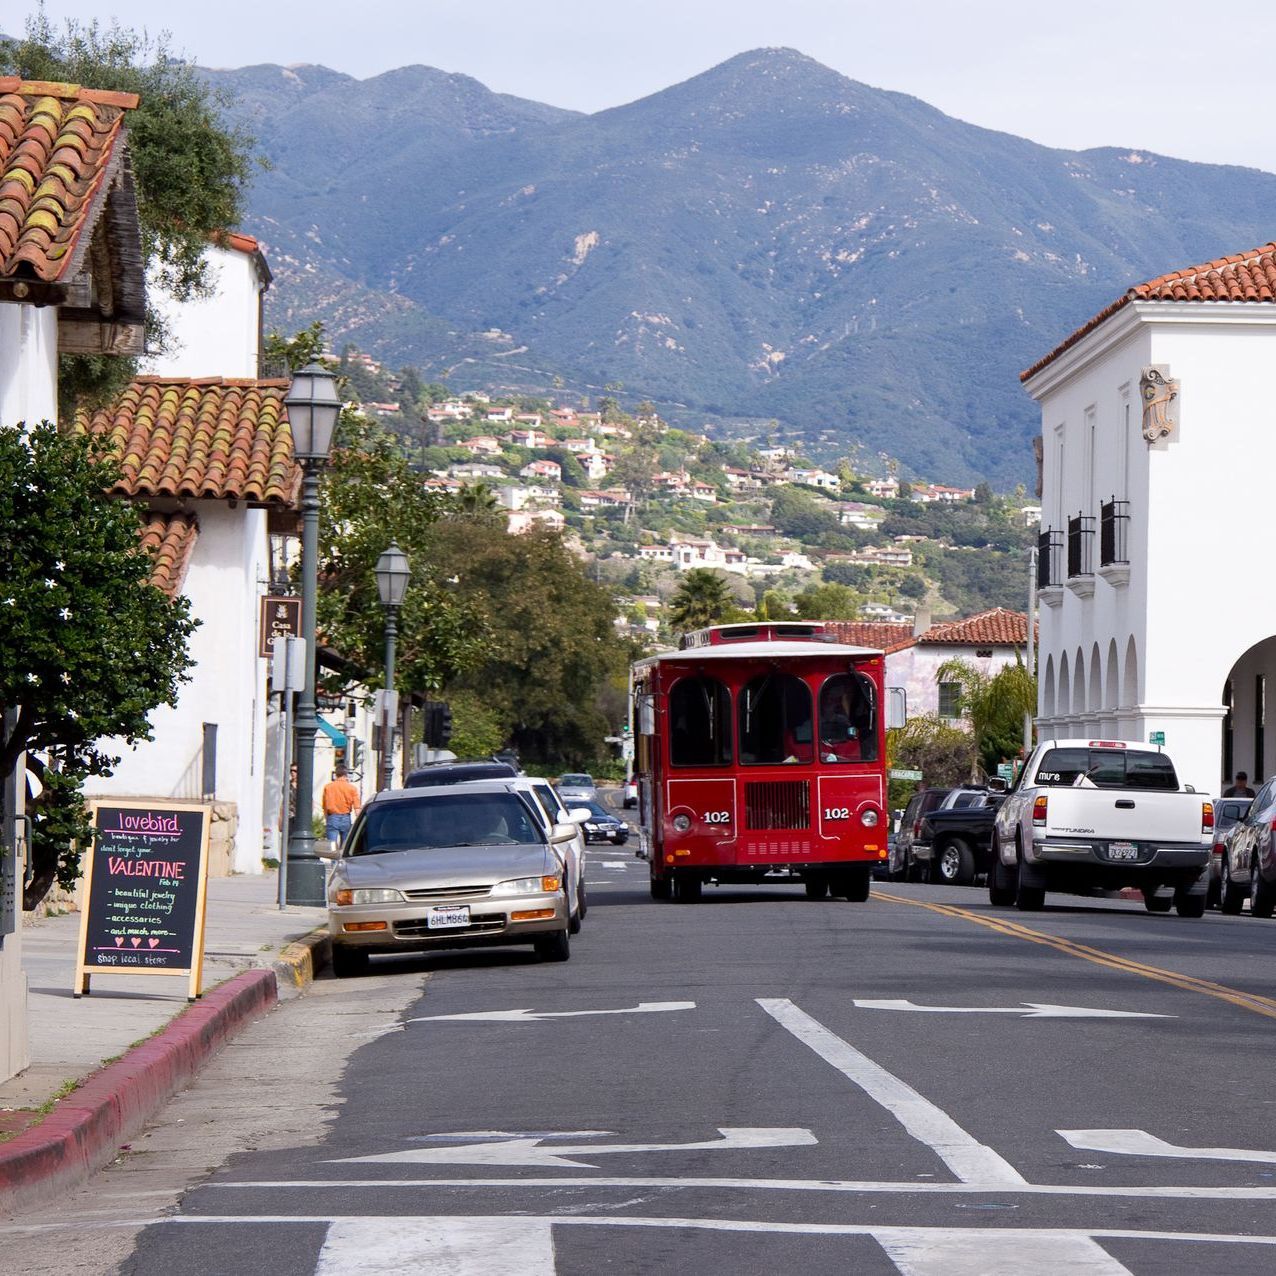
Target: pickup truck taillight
pixel 1207 817
pixel 1039 810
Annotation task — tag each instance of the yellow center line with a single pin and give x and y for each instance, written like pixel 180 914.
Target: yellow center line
pixel 1255 1002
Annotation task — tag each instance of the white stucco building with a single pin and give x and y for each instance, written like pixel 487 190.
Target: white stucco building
pixel 1156 462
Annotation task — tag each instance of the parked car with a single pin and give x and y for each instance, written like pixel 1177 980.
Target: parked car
pixel 603 826
pixel 457 773
pixel 556 812
pixel 1089 815
pixel 577 787
pixel 955 841
pixel 445 867
pixel 903 867
pixel 631 793
pixel 1249 865
pixel 1228 812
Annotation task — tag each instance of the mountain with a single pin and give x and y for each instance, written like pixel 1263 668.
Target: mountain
pixel 766 240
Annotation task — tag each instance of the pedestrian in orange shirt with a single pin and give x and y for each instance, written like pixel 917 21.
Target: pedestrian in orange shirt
pixel 340 801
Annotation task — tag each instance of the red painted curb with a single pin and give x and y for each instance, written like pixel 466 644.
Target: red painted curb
pixel 86 1128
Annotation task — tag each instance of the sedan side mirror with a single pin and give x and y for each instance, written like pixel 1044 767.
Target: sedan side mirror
pixel 579 814
pixel 563 833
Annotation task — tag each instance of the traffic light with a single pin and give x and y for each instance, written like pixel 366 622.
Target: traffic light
pixel 438 723
pixel 356 756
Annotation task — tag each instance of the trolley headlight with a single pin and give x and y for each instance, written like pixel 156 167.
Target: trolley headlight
pixel 682 823
pixel 869 818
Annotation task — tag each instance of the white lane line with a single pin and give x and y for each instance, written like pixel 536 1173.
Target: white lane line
pixel 968 1159
pixel 1141 1143
pixel 614 864
pixel 849 1186
pixel 466 1246
pixel 958 1252
pixel 391 1222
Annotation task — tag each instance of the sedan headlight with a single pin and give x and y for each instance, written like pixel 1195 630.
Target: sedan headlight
pixel 529 886
pixel 363 895
pixel 593 828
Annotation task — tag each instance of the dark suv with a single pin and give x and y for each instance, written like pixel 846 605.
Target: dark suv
pixel 457 773
pixel 903 867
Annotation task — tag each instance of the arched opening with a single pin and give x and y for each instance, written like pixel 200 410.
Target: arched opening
pixel 1047 689
pixel 1065 686
pixel 1130 680
pixel 1096 682
pixel 1078 684
pixel 1114 676
pixel 1244 728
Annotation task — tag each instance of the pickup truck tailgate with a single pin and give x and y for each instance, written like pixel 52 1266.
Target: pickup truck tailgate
pixel 1124 814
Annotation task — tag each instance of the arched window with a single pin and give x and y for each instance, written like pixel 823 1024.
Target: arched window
pixel 699 723
pixel 775 719
pixel 848 719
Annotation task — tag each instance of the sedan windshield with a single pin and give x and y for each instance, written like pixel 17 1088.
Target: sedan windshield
pixel 445 820
pixel 598 811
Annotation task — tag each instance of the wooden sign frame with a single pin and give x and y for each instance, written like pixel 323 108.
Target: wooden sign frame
pixel 195 971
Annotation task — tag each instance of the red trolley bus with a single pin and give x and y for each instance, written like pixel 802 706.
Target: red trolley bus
pixel 761 753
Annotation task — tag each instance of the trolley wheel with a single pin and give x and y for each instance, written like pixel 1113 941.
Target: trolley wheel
pixel 816 887
pixel 661 887
pixel 687 888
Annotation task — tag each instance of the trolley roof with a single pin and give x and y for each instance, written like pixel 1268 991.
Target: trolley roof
pixel 758 651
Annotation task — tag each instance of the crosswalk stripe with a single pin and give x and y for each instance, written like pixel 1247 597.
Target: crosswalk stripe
pixel 457 1246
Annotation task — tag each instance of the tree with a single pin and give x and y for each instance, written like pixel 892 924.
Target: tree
pixel 827 602
pixel 799 513
pixel 191 168
pixel 703 598
pixel 994 705
pixel 551 645
pixel 944 754
pixel 88 646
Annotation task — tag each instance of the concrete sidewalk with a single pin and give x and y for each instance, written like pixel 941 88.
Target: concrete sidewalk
pixel 72 1038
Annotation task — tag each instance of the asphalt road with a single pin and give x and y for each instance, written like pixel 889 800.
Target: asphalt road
pixel 711 1090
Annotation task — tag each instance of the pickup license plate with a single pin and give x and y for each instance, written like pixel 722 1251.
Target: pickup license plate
pixel 1122 851
pixel 447 918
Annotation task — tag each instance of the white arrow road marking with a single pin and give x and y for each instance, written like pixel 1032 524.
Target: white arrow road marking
pixel 1026 1010
pixel 531 1151
pixel 527 1015
pixel 1141 1143
pixel 968 1159
pixel 438 1247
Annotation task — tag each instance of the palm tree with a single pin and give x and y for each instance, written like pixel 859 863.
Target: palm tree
pixel 994 705
pixel 702 598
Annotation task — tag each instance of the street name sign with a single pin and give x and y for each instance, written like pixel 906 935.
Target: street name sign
pixel 145 884
pixel 899 773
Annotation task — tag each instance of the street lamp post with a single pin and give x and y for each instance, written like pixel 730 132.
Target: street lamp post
pixel 393 574
pixel 313 408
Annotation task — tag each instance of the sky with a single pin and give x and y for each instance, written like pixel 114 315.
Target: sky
pixel 1180 77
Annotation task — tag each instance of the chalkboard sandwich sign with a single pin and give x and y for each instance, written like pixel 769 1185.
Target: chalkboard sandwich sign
pixel 145 880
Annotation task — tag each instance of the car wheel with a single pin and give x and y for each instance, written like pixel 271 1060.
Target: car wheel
pixel 348 962
pixel 954 865
pixel 573 920
pixel 1001 891
pixel 1187 904
pixel 1028 899
pixel 687 889
pixel 915 870
pixel 1155 902
pixel 661 888
pixel 816 887
pixel 582 900
pixel 1231 895
pixel 1262 899
pixel 555 947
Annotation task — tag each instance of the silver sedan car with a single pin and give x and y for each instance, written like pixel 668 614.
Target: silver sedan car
pixel 577 787
pixel 448 867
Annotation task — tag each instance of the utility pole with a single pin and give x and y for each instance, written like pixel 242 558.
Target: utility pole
pixel 1032 643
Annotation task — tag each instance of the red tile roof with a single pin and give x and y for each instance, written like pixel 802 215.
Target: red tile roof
pixel 58 143
pixel 210 438
pixel 884 635
pixel 996 628
pixel 1249 276
pixel 169 539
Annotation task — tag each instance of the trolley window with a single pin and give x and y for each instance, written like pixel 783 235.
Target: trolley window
pixel 776 720
pixel 848 721
pixel 699 723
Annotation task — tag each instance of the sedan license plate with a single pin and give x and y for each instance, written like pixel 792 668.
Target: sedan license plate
pixel 1122 851
pixel 447 918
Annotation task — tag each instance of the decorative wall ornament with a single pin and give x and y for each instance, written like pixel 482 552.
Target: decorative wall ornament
pixel 1160 395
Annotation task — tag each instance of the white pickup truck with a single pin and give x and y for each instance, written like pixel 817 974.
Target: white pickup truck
pixel 1090 815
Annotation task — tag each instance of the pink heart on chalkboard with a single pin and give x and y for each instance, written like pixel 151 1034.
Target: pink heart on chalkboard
pixel 137 943
pixel 119 941
pixel 154 943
